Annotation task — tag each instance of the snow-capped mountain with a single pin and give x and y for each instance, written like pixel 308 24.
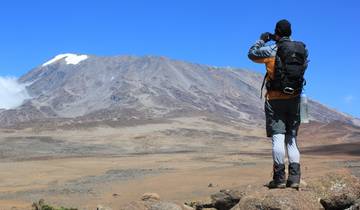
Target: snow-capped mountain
pixel 92 88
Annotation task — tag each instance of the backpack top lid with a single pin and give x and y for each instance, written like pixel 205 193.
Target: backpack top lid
pixel 291 52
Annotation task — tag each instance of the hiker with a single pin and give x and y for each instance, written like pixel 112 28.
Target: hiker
pixel 285 62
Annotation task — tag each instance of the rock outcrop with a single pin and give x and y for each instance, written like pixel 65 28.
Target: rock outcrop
pixel 332 192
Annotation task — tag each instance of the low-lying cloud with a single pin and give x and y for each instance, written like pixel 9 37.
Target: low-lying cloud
pixel 12 93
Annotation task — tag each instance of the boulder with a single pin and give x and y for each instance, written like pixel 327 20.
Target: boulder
pixel 337 191
pixel 225 199
pixel 284 199
pixel 164 206
pixel 355 206
pixel 337 202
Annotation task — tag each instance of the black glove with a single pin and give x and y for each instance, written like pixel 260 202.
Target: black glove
pixel 266 36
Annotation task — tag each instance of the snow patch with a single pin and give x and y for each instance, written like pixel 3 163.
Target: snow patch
pixel 12 93
pixel 69 59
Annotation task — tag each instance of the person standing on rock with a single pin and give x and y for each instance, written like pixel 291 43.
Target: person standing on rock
pixel 286 62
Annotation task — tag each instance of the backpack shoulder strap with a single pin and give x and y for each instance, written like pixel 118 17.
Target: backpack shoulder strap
pixel 262 85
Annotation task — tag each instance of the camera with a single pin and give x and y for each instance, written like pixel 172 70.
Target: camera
pixel 267 36
pixel 272 36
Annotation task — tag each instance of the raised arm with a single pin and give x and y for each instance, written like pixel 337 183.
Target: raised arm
pixel 259 51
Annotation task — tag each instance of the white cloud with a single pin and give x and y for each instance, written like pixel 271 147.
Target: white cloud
pixel 12 93
pixel 349 99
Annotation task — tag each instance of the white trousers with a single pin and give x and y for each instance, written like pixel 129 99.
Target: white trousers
pixel 279 142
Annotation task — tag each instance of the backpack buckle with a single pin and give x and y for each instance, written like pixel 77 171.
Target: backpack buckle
pixel 289 90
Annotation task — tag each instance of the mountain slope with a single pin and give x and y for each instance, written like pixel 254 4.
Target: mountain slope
pixel 125 87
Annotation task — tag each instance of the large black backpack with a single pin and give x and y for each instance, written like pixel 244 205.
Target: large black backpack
pixel 290 66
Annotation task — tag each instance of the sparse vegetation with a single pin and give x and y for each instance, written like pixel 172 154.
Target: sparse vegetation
pixel 41 205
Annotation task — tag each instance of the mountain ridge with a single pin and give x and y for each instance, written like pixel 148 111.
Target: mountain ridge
pixel 111 87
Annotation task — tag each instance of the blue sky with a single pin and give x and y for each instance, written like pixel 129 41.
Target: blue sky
pixel 210 32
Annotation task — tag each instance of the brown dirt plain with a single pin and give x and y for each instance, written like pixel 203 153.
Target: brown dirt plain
pixel 178 159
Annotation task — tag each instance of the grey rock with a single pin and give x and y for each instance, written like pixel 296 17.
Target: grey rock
pixel 164 206
pixel 355 206
pixel 225 199
pixel 337 202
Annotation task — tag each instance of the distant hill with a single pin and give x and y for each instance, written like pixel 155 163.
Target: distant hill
pixel 87 88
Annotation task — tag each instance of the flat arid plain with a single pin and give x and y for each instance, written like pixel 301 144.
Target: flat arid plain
pixel 181 159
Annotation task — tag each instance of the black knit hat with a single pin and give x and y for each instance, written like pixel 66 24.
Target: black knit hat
pixel 283 28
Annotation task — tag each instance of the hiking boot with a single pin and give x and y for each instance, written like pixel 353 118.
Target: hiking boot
pixel 278 177
pixel 294 176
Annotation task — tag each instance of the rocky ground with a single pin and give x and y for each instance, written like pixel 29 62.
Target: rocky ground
pixel 333 191
pixel 185 160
